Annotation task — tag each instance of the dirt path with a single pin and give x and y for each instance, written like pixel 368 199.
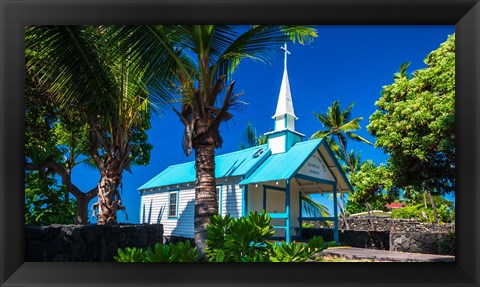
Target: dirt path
pixel 383 255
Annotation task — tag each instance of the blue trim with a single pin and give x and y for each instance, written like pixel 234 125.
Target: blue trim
pixel 305 160
pixel 299 214
pixel 314 179
pixel 176 204
pixel 278 215
pixel 335 213
pixel 244 200
pixel 220 196
pixel 287 210
pixel 274 187
pixel 340 170
pixel 280 227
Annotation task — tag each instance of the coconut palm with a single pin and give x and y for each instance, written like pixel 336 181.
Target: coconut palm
pixel 338 127
pixel 251 138
pixel 354 159
pixel 204 58
pixel 402 71
pixel 84 76
pixel 314 208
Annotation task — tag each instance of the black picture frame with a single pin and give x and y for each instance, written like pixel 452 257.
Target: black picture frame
pixel 465 14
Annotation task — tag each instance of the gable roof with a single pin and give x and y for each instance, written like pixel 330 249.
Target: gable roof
pixel 263 168
pixel 283 165
pixel 239 163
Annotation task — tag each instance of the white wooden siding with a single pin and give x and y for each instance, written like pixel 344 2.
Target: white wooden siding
pixel 232 200
pixel 154 202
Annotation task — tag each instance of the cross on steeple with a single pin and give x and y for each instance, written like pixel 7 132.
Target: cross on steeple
pixel 284 48
pixel 284 136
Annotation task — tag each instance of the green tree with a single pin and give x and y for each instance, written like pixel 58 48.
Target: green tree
pixel 53 146
pixel 86 77
pixel 338 126
pixel 402 71
pixel 415 125
pixel 45 203
pixel 373 185
pixel 203 58
pixel 251 139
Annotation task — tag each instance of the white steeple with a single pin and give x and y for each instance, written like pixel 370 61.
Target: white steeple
pixel 285 104
pixel 284 136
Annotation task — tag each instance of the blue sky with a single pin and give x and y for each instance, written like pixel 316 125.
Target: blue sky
pixel 345 63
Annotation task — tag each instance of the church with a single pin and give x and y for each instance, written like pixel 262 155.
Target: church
pixel 270 177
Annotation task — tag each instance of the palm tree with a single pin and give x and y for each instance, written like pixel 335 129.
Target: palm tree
pixel 203 59
pixel 354 159
pixel 251 139
pixel 338 127
pixel 402 71
pixel 85 76
pixel 316 209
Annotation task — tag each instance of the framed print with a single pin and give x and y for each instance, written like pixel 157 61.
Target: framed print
pixel 310 167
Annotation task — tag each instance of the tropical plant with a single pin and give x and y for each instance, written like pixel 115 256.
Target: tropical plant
pixel 415 125
pixel 45 203
pixel 86 77
pixel 338 126
pixel 402 71
pixel 313 208
pixel 130 255
pixel 179 252
pixel 251 139
pixel 203 58
pixel 246 239
pixel 373 185
pixel 55 143
pixel 239 240
pixel 355 161
pixel 295 252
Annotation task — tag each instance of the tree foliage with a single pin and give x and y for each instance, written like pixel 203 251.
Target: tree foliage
pixel 338 127
pixel 373 184
pixel 92 85
pixel 45 202
pixel 415 124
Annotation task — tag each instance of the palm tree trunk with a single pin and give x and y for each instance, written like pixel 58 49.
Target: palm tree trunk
pixel 432 202
pixel 206 204
pixel 107 203
pixel 82 210
pixel 344 150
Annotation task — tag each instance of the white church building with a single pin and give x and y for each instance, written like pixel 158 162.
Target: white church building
pixel 269 177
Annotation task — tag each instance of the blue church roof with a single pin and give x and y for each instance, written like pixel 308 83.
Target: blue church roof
pixel 283 165
pixel 239 163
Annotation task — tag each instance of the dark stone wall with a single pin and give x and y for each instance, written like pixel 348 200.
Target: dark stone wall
pixel 86 243
pixel 356 238
pixel 404 235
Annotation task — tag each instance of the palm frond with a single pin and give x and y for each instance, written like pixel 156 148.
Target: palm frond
pixel 313 208
pixel 358 138
pixel 259 43
pixel 67 58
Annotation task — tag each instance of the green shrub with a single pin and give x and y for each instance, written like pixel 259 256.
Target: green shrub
pixel 179 252
pixel 130 255
pixel 413 212
pixel 294 252
pixel 308 225
pixel 238 240
pixel 246 240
